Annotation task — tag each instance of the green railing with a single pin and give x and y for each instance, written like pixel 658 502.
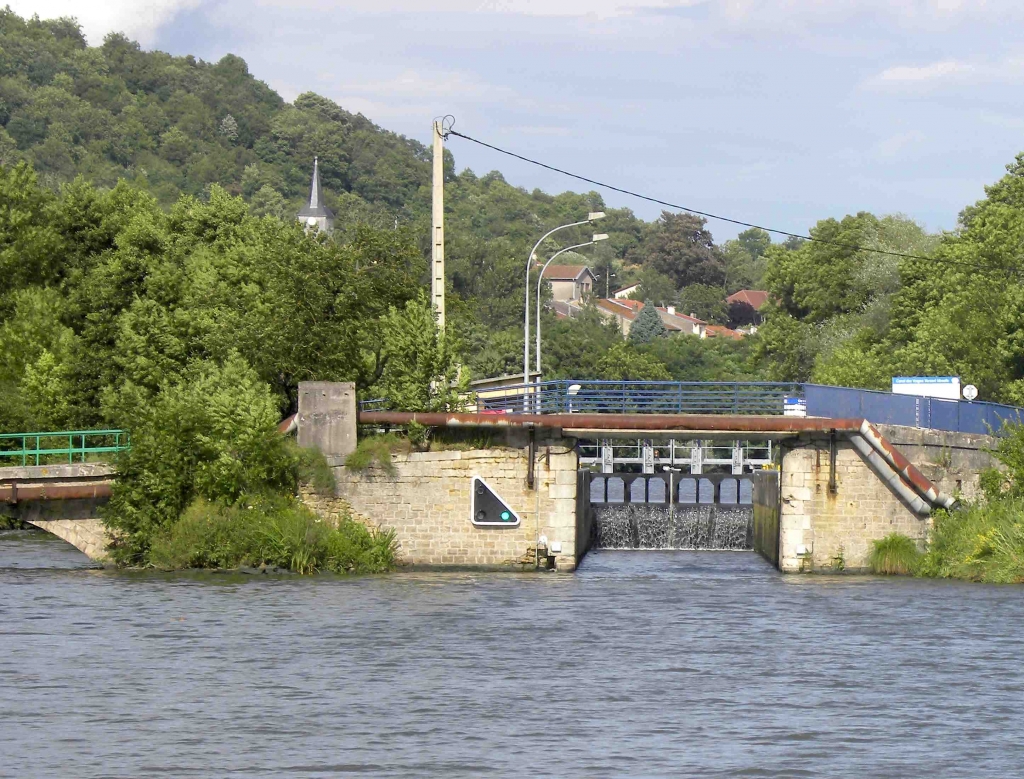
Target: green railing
pixel 50 448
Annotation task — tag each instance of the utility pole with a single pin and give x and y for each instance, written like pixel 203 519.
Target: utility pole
pixel 437 236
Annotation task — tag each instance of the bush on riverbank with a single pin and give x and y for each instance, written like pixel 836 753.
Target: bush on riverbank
pixel 894 555
pixel 984 541
pixel 271 531
pixel 209 482
pixel 980 542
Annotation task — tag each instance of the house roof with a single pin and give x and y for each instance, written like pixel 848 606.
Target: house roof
pixel 720 331
pixel 668 318
pixel 627 288
pixel 628 309
pixel 619 307
pixel 755 298
pixel 566 272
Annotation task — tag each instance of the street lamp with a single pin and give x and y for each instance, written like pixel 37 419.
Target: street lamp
pixel 593 215
pixel 597 237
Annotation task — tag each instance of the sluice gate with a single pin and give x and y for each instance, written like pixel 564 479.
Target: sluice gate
pixel 705 512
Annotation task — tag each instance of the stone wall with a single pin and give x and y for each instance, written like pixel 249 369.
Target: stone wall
pixel 823 531
pixel 75 519
pixel 952 461
pixel 427 503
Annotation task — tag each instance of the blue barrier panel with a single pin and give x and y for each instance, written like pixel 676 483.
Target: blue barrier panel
pixel 885 408
pixel 942 414
pixel 847 403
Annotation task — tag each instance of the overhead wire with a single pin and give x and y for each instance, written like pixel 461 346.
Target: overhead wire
pixel 730 220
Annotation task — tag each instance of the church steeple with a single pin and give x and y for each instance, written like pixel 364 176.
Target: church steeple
pixel 315 213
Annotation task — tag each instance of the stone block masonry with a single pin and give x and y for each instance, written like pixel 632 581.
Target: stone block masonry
pixel 823 531
pixel 427 503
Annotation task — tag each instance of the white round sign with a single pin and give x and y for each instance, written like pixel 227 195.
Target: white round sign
pixel 970 392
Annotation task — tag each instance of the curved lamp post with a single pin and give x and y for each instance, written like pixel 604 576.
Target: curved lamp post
pixel 540 279
pixel 526 311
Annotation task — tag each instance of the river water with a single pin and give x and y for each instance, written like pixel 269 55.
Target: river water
pixel 640 664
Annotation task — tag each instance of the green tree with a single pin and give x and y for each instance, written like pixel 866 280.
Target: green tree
pixel 656 287
pixel 623 362
pixel 680 247
pixel 573 348
pixel 212 434
pixel 704 302
pixel 421 366
pixel 744 259
pixel 647 326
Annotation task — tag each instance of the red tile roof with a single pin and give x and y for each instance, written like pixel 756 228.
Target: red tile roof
pixel 755 298
pixel 720 331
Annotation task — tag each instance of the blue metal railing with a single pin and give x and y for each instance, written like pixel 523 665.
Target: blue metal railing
pixel 722 397
pixel 640 397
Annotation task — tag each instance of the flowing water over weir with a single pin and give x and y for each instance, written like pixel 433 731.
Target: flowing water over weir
pixel 639 526
pixel 705 512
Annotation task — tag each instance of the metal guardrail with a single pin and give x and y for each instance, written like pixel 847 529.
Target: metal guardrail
pixel 634 397
pixel 738 398
pixel 886 408
pixel 43 448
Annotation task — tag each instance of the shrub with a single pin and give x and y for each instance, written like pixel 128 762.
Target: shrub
pixel 211 435
pixel 983 543
pixel 274 531
pixel 896 554
pixel 375 451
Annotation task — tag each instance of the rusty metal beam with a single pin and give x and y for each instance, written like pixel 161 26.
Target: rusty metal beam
pixel 683 423
pixel 15 493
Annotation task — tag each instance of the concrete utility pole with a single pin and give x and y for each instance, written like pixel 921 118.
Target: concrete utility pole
pixel 437 236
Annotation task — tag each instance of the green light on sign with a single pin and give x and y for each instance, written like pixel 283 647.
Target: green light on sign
pixel 505 516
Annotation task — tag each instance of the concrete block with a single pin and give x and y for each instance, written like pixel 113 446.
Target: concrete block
pixel 327 417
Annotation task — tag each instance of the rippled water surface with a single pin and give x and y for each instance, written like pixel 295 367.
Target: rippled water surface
pixel 641 664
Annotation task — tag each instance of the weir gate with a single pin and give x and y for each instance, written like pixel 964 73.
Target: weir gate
pixel 675 494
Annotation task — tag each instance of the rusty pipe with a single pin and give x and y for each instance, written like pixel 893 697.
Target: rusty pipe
pixel 906 469
pixel 17 492
pixel 890 475
pixel 646 422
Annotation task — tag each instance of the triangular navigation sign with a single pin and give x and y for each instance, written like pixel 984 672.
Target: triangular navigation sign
pixel 487 508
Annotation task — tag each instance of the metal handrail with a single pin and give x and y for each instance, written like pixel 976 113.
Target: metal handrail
pixel 624 397
pixel 77 441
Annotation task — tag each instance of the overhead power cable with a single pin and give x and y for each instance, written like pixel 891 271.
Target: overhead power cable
pixel 730 220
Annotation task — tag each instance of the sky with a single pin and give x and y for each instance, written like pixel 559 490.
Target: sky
pixel 777 112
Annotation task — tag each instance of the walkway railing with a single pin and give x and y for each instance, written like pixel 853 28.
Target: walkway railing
pixel 65 446
pixel 633 397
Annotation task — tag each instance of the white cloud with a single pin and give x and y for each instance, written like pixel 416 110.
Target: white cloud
pixel 138 19
pixel 598 8
pixel 141 19
pixel 936 71
pixel 437 85
pixel 412 94
pixel 774 12
pixel 949 72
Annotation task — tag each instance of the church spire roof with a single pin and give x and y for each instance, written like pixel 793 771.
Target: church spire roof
pixel 315 207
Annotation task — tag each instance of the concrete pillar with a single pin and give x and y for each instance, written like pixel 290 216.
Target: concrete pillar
pixel 327 417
